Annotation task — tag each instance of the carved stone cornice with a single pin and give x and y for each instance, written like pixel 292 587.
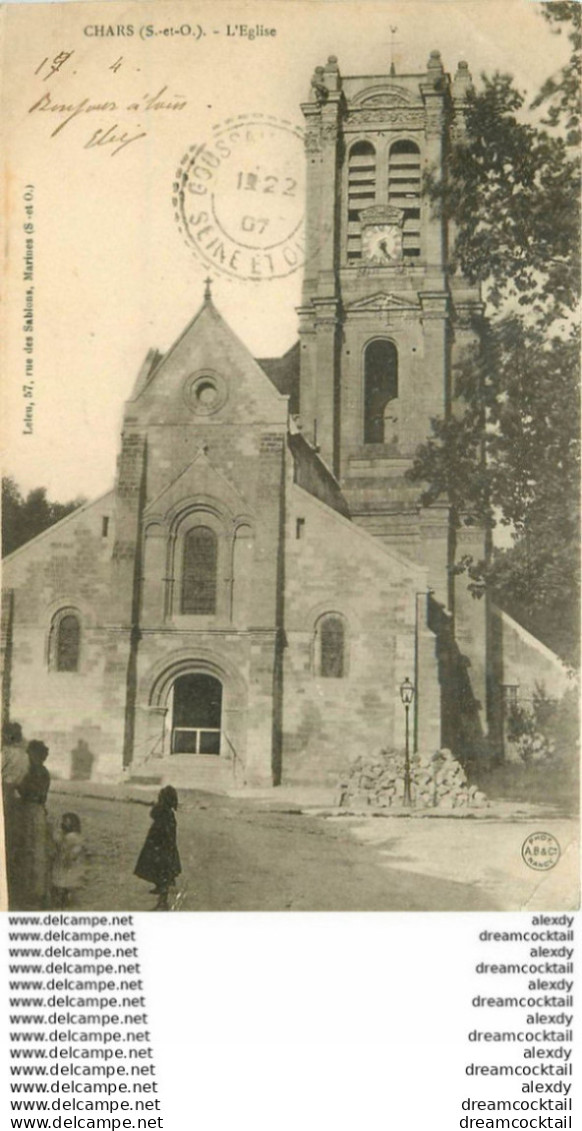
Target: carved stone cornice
pixel 434 110
pixel 398 117
pixel 435 305
pixel 467 315
pixel 329 133
pixel 321 134
pixel 319 313
pixel 312 141
pixel 326 314
pixel 382 214
pixel 382 95
pixel 382 303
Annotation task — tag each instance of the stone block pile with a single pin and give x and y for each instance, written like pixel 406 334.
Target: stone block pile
pixel 438 781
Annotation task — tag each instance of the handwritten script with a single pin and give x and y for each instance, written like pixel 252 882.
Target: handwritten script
pixel 114 135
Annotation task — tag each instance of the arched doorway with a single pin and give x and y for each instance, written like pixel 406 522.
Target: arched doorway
pixel 195 711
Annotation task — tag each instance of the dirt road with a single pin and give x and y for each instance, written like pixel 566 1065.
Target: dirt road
pixel 238 857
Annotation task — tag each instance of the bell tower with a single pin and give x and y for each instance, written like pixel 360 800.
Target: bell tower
pixel 383 323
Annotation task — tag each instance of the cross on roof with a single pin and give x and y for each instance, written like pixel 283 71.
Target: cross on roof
pixel 207 290
pixel 393 43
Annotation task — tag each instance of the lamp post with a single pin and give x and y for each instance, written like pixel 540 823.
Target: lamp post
pixel 407 695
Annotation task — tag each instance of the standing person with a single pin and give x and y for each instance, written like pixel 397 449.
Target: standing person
pixel 14 768
pixel 35 841
pixel 158 861
pixel 69 861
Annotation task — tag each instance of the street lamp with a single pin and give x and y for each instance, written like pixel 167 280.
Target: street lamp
pixel 407 695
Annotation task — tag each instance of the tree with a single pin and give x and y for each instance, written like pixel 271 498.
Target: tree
pixel 509 452
pixel 24 518
pixel 561 95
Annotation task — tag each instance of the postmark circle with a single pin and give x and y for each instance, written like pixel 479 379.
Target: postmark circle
pixel 238 198
pixel 540 851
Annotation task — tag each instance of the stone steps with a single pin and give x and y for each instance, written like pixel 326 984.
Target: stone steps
pixel 208 772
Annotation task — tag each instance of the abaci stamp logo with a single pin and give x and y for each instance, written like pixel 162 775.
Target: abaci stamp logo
pixel 239 198
pixel 540 851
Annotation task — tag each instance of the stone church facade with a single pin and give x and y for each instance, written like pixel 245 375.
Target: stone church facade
pixel 244 605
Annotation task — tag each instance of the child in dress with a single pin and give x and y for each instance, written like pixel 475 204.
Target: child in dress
pixel 69 861
pixel 158 861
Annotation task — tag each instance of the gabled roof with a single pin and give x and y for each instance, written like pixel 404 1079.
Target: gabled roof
pixel 380 550
pixel 50 531
pixel 284 373
pixel 209 342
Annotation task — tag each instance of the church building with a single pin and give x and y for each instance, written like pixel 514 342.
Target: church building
pixel 245 604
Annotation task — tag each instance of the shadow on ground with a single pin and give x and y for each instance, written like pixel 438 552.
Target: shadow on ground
pixel 237 856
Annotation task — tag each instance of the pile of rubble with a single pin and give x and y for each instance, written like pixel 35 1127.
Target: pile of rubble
pixel 437 781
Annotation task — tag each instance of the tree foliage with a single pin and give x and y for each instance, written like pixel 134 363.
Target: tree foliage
pixel 509 452
pixel 512 190
pixel 24 518
pixel 546 730
pixel 561 95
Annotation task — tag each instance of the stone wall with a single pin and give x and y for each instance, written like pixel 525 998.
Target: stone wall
pixel 527 662
pixel 224 466
pixel 335 567
pixel 68 566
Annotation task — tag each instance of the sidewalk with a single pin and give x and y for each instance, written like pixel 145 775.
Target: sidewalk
pixel 278 798
pixel 320 801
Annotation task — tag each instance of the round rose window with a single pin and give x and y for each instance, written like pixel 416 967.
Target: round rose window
pixel 205 393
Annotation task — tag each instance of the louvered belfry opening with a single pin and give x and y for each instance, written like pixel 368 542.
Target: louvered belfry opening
pixel 361 192
pixel 404 192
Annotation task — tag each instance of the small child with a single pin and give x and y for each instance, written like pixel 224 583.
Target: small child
pixel 69 861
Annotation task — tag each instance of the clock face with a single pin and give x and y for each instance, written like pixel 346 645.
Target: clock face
pixel 382 243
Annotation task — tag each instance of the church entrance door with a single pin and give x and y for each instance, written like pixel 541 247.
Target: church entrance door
pixel 196 714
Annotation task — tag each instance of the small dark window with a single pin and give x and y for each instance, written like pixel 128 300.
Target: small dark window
pixel 510 698
pixel 68 638
pixel 104 526
pixel 331 635
pixel 380 387
pixel 199 572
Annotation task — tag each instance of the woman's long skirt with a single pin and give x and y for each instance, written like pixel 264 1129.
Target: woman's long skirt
pixel 35 857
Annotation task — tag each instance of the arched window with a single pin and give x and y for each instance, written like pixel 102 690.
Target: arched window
pixel 380 392
pixel 404 192
pixel 331 650
pixel 361 192
pixel 199 572
pixel 65 642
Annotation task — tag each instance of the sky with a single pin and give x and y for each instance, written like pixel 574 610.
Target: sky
pixel 113 274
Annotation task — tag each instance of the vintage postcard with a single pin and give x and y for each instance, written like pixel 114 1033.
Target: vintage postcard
pixel 290 455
